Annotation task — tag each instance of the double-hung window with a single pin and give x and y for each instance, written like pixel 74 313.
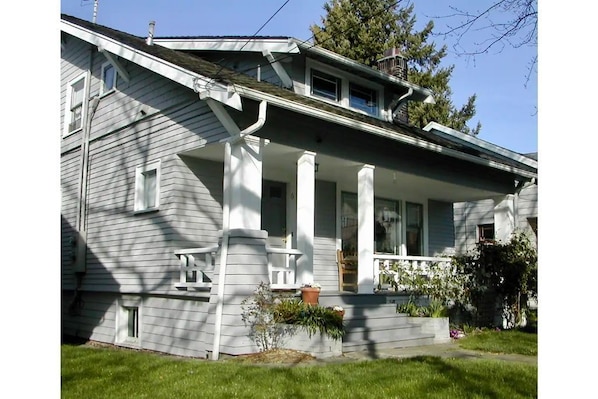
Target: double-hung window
pixel 74 105
pixel 363 99
pixel 147 187
pixel 325 85
pixel 343 89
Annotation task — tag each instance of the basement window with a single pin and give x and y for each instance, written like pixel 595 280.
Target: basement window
pixel 128 321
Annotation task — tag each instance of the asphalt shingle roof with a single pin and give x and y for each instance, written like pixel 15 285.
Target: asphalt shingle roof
pixel 200 66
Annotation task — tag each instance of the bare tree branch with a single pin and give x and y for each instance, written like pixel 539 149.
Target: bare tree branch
pixel 504 23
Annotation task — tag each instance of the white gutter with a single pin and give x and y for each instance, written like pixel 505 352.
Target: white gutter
pixel 366 127
pixel 217 91
pixel 421 94
pixel 475 142
pixel 236 135
pixel 274 45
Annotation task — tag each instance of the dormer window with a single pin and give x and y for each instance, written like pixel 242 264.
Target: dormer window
pixel 341 88
pixel 363 98
pixel 325 85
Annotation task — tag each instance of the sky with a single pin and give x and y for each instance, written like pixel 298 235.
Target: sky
pixel 506 103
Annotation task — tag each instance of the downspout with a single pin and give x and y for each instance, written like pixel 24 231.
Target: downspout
pixel 226 198
pixel 81 238
pixel 393 107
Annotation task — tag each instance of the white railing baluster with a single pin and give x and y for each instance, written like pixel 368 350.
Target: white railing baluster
pixel 196 264
pixel 283 276
pixel 407 265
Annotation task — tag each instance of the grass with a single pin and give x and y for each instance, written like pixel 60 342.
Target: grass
pixel 507 341
pixel 92 372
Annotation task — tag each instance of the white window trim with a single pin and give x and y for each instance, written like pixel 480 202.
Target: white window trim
pixel 139 206
pixel 67 108
pixel 104 65
pixel 121 333
pixel 345 78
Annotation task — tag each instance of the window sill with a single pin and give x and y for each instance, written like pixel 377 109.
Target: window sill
pixel 149 210
pixel 64 136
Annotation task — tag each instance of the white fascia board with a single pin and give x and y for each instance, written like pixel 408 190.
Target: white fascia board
pixel 473 141
pixel 366 127
pixel 195 81
pixel 230 44
pixel 420 93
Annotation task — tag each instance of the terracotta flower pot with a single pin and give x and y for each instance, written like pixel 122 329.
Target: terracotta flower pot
pixel 310 295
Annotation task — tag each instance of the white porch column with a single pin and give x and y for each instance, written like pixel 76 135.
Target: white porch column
pixel 306 186
pixel 365 229
pixel 504 218
pixel 246 183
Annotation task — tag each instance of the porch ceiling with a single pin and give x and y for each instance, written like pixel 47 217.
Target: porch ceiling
pixel 279 164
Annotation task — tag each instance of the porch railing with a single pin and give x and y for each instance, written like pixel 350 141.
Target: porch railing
pixel 282 267
pixel 196 268
pixel 197 265
pixel 388 269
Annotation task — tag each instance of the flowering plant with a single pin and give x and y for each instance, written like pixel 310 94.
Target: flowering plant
pixel 456 334
pixel 337 308
pixel 312 285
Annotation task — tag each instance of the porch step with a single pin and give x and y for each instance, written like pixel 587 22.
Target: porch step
pixel 380 343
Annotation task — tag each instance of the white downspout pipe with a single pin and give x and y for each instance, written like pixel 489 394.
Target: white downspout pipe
pixel 401 100
pixel 226 198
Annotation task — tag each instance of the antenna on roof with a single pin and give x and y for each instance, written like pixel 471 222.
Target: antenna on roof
pixel 95 11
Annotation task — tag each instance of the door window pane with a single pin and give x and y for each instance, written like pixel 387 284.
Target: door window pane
pixel 414 229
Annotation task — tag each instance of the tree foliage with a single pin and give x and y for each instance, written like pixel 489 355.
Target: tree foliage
pixel 363 29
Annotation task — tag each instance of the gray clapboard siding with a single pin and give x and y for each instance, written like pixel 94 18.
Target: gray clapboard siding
pixel 112 225
pixel 325 266
pixel 527 207
pixel 69 187
pixel 96 320
pixel 441 234
pixel 176 322
pixel 468 215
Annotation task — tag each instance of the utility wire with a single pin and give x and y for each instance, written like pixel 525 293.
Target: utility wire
pixel 313 36
pixel 253 36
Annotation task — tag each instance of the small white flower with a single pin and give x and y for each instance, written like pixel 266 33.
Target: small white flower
pixel 337 308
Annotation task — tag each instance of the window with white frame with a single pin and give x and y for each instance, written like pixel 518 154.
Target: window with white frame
pixel 363 98
pixel 128 321
pixel 109 78
pixel 147 187
pixel 325 85
pixel 346 90
pixel 74 111
pixel 486 233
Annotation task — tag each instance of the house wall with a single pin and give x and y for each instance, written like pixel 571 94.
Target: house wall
pixel 441 236
pixel 146 119
pixel 247 64
pixel 468 215
pixel 325 265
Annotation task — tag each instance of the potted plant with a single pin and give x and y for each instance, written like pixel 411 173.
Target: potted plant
pixel 310 293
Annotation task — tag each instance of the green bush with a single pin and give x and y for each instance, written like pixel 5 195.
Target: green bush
pixel 313 318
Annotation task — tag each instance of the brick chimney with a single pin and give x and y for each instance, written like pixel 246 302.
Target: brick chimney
pixel 393 63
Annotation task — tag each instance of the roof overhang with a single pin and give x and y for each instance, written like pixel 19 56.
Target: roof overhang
pixel 202 84
pixel 419 93
pixel 377 130
pixel 273 45
pixel 479 144
pixel 289 45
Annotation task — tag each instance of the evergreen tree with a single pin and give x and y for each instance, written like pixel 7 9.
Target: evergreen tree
pixel 363 29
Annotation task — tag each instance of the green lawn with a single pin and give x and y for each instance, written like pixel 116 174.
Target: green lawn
pixel 92 372
pixel 508 341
